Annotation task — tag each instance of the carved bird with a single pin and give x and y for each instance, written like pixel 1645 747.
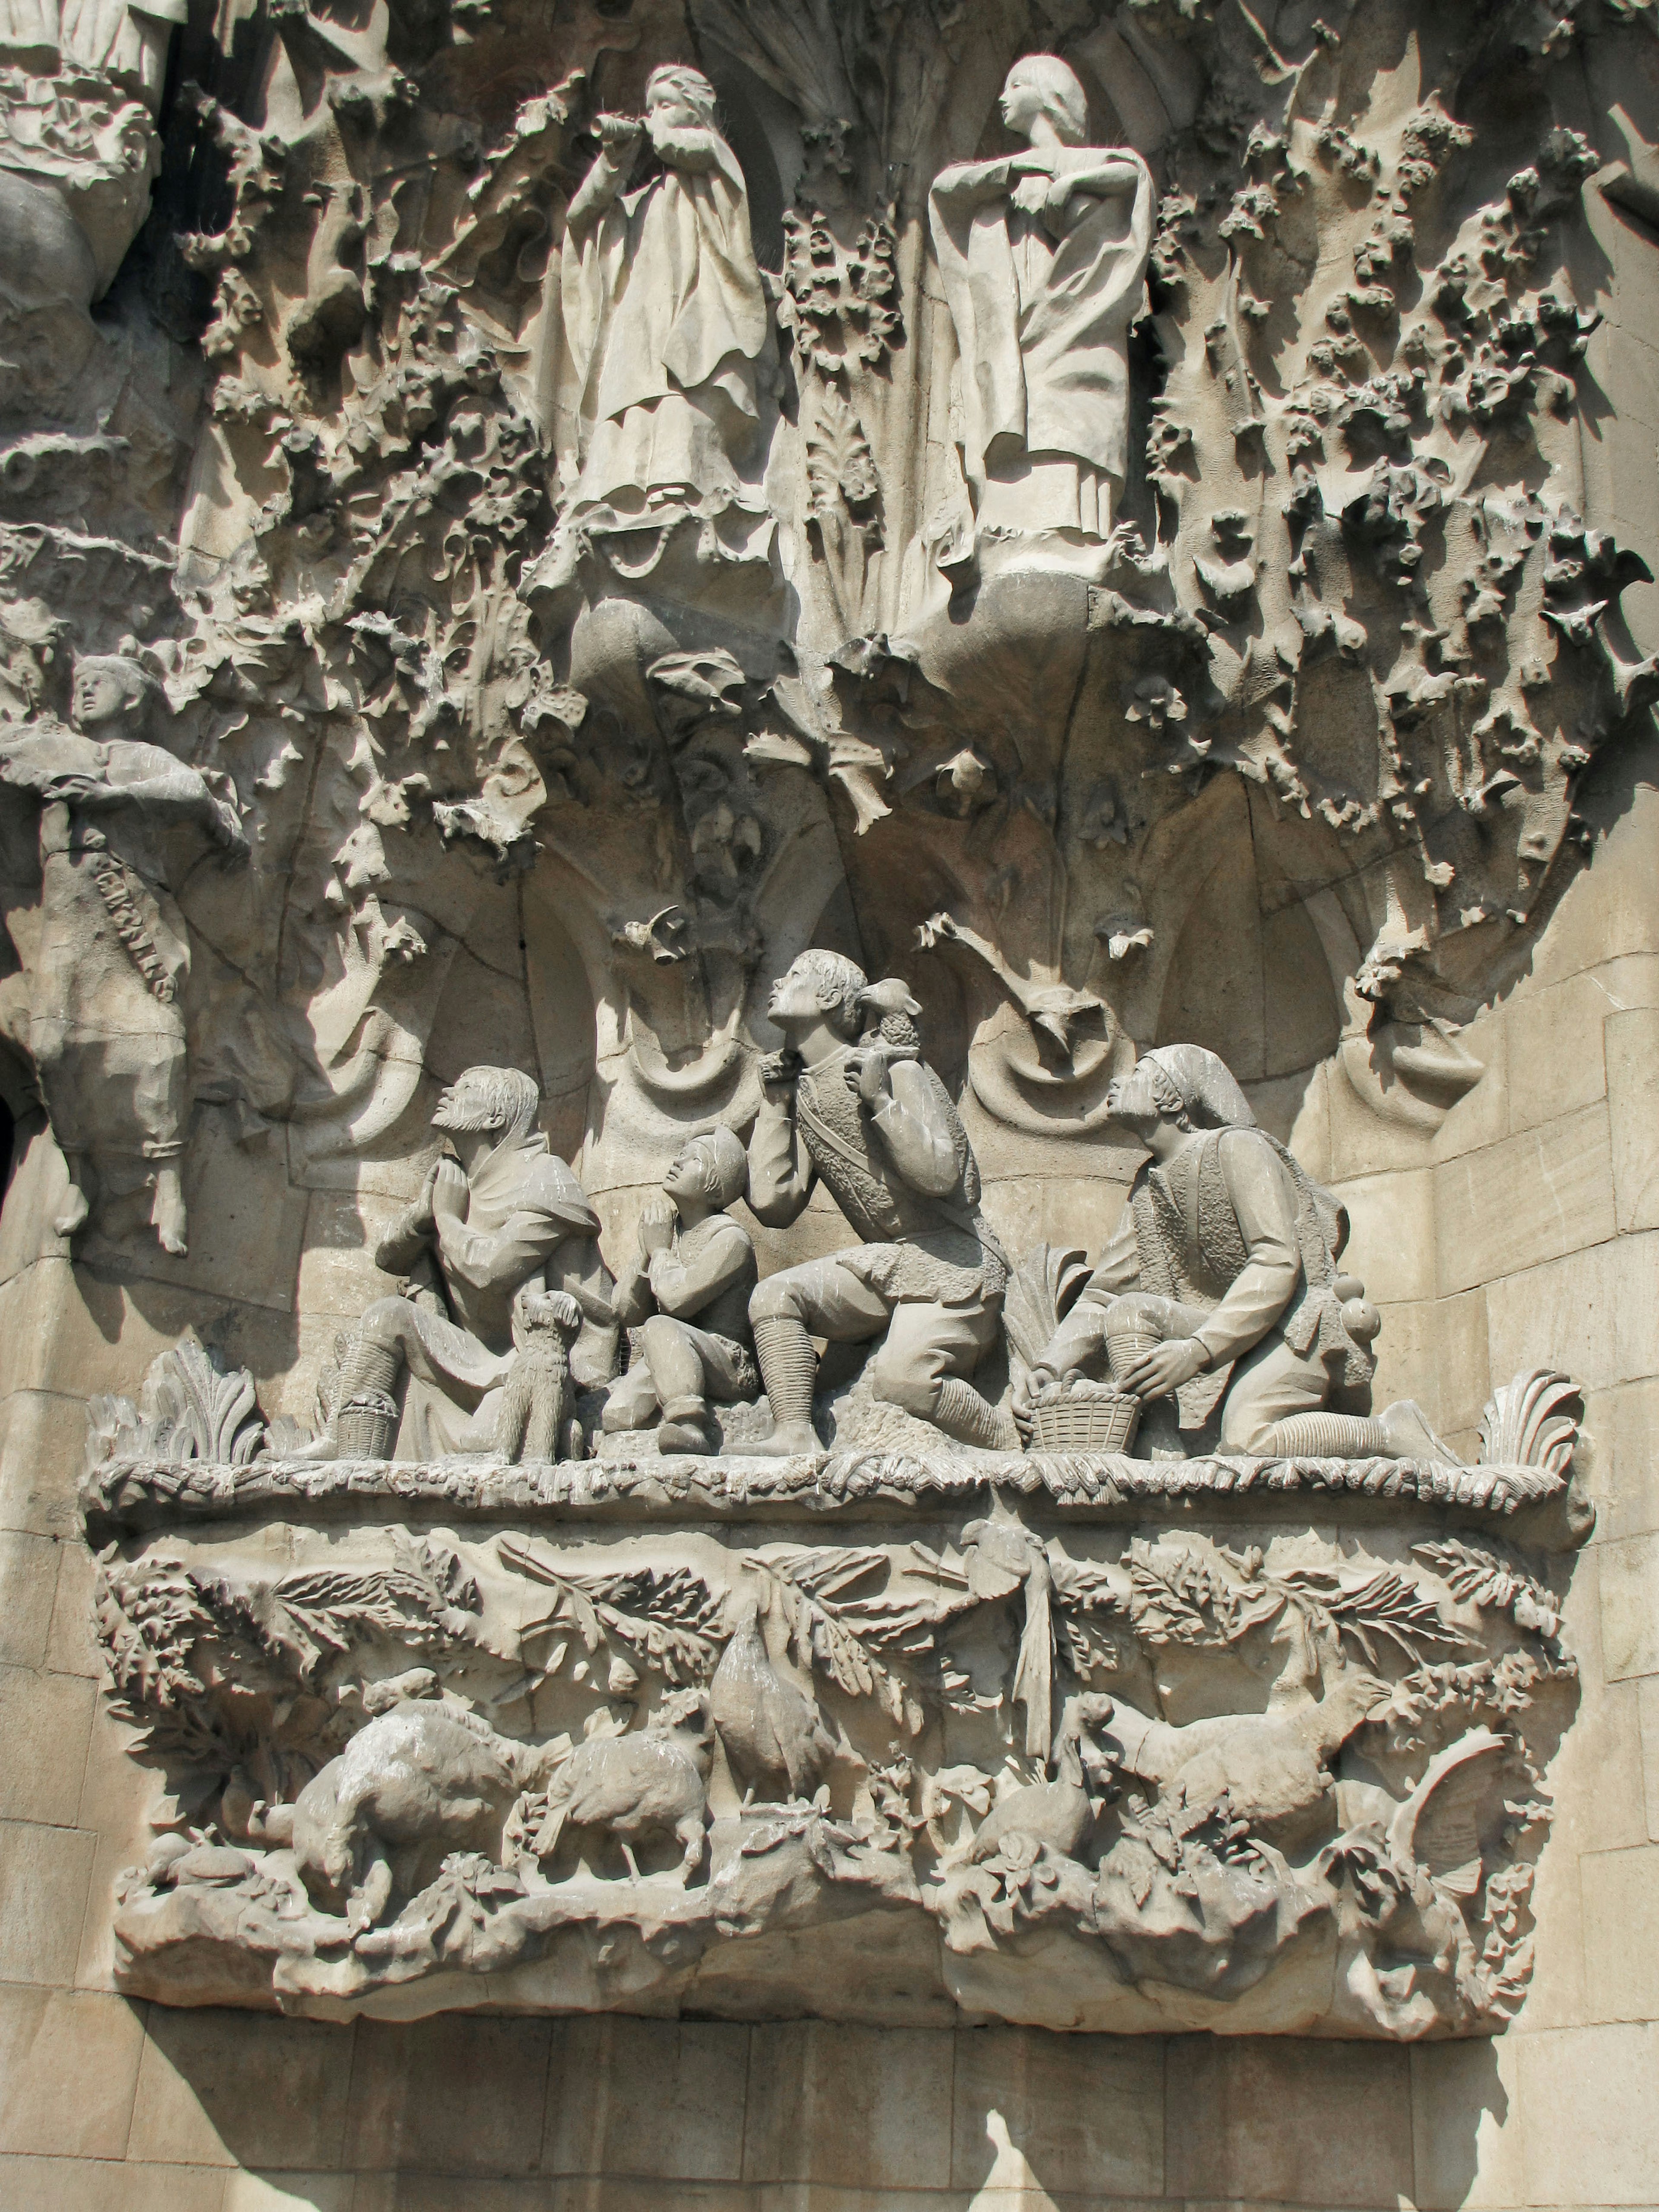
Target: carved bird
pixel 1060 1814
pixel 1420 1874
pixel 653 1782
pixel 774 1742
pixel 1438 1828
pixel 1271 1767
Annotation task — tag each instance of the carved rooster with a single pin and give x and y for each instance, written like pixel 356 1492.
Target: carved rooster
pixel 774 1742
pixel 1061 1813
pixel 653 1782
pixel 1270 1767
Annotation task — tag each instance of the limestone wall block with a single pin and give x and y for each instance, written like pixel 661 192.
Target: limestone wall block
pixel 851 2107
pixel 1297 1109
pixel 1595 1314
pixel 1081 2114
pixel 1530 1199
pixel 44 1873
pixel 1466 2154
pixel 337 1273
pixel 1629 1607
pixel 45 1720
pixel 42 1436
pixel 1647 1691
pixel 1434 1350
pixel 1280 2119
pixel 1624 1479
pixel 1632 1049
pixel 1615 916
pixel 288 2192
pixel 68 2184
pixel 219 2090
pixel 69 2061
pixel 1362 1142
pixel 1391 1234
pixel 461 2094
pixel 1603 2077
pixel 29 1576
pixel 1557 1064
pixel 1621 1929
pixel 662 2098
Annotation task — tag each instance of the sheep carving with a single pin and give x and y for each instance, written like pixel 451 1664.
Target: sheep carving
pixel 653 1782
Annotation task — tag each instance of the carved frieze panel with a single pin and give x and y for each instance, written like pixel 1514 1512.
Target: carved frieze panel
pixel 1084 1771
pixel 1079 1740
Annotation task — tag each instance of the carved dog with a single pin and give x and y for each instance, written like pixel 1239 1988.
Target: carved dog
pixel 538 1397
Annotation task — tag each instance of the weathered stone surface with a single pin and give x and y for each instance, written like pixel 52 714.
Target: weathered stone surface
pixel 826 844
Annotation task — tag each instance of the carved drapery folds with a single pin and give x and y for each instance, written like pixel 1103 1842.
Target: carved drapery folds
pixel 680 596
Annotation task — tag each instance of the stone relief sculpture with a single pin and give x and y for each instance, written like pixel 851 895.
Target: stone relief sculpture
pixel 534 497
pixel 105 951
pixel 499 1214
pixel 665 320
pixel 687 1293
pixel 1221 1288
pixel 876 1125
pixel 80 83
pixel 1352 1851
pixel 1043 259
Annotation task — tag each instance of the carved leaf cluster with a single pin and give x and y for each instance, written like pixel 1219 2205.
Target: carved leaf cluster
pixel 151 1624
pixel 1485 1579
pixel 665 1618
pixel 193 1409
pixel 869 1644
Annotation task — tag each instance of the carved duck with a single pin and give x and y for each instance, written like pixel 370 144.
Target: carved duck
pixel 774 1742
pixel 1061 1813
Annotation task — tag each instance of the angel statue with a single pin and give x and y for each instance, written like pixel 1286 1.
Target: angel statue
pixel 1043 255
pixel 664 318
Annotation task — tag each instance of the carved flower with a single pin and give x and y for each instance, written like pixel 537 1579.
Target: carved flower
pixel 1155 701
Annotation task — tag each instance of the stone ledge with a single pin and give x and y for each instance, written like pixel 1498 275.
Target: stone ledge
pixel 137 1493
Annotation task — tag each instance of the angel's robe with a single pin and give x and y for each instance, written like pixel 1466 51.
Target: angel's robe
pixel 664 318
pixel 1042 323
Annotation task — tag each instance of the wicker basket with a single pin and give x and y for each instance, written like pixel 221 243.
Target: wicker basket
pixel 365 1425
pixel 1078 1416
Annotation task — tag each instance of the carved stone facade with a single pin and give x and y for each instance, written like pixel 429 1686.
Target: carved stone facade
pixel 831 1027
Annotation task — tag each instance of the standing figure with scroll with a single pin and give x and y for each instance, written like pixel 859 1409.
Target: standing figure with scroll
pixel 1043 259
